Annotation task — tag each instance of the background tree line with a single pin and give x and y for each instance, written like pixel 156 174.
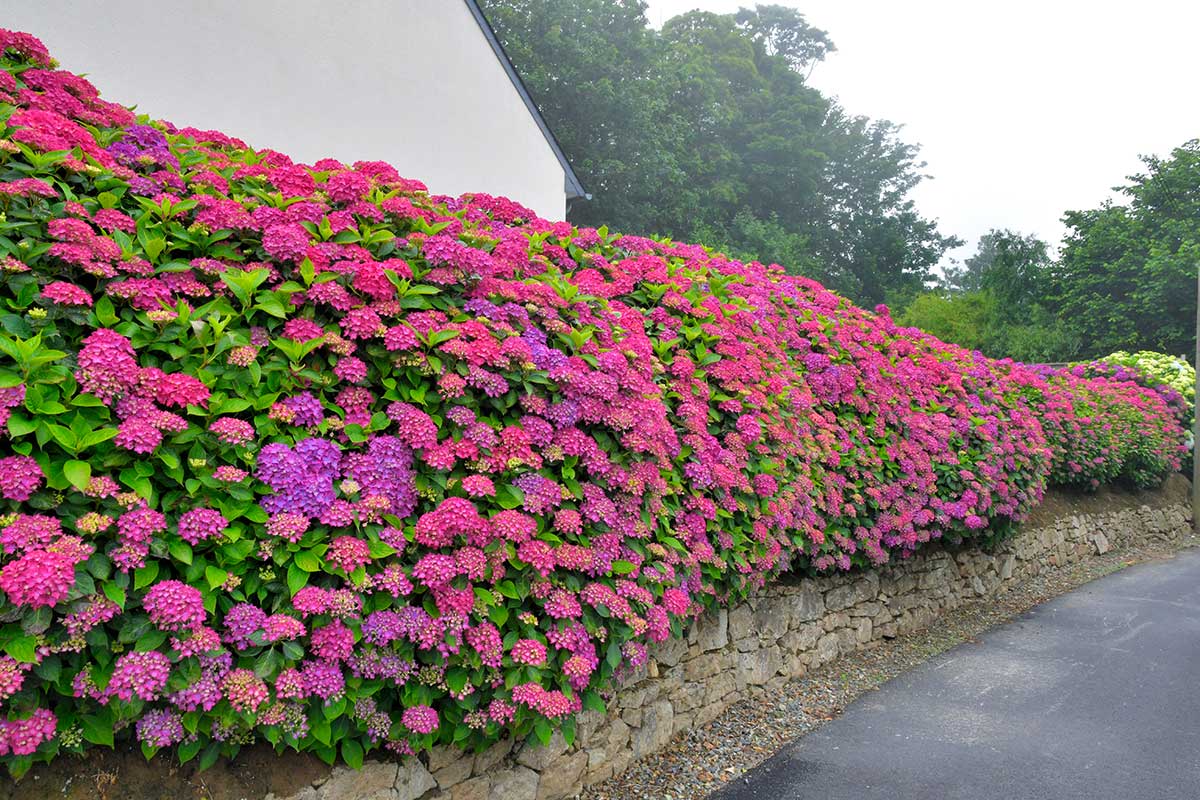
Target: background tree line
pixel 1125 278
pixel 708 131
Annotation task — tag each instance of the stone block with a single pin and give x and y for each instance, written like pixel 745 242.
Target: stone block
pixel 712 630
pixel 755 669
pixel 475 789
pixel 536 756
pixel 803 638
pixel 705 666
pixel 827 648
pixel 485 761
pixel 670 652
pixel 772 619
pixel 807 604
pixel 453 773
pixel 741 622
pixel 563 777
pixel 518 783
pixel 412 780
pixel 375 781
pixel 656 729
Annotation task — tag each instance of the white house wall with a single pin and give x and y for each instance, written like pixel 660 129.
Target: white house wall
pixel 410 82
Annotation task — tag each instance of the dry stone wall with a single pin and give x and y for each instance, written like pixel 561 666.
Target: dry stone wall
pixel 757 646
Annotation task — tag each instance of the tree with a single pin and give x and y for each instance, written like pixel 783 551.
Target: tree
pixel 1126 279
pixel 708 131
pixel 783 31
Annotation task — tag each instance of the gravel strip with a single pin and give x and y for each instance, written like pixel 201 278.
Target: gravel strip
pixel 749 732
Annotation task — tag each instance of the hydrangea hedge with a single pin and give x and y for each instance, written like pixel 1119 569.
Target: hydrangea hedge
pixel 305 454
pixel 1171 376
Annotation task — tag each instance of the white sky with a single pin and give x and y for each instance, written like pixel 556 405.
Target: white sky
pixel 1024 109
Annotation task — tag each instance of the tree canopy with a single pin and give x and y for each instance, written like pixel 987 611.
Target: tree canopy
pixel 708 130
pixel 1126 279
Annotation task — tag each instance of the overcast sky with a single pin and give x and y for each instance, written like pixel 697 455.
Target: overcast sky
pixel 1023 109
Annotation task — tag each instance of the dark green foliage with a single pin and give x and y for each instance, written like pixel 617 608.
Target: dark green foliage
pixel 708 131
pixel 1127 276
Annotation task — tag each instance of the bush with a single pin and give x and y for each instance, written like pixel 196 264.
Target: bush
pixel 1171 376
pixel 302 453
pixel 1102 430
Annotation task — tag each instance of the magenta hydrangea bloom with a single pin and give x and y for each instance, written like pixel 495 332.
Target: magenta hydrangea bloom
pixel 529 651
pixel 174 606
pixel 39 578
pixel 66 294
pixel 20 477
pixel 139 674
pixel 244 690
pixel 22 737
pixel 420 719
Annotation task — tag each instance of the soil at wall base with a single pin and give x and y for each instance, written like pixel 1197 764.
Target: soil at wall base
pixel 124 774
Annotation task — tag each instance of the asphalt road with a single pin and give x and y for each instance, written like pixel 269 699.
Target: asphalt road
pixel 1094 694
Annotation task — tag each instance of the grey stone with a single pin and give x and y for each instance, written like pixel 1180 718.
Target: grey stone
pixel 712 630
pixel 807 605
pixel 705 666
pixel 1006 569
pixel 655 732
pixel 587 723
pixel 453 773
pixel 670 652
pixel 803 638
pixel 758 667
pixel 307 793
pixel 474 789
pixel 375 781
pixel 741 622
pixel 413 780
pixel 827 648
pixel 518 783
pixel 771 619
pixel 562 777
pixel 442 755
pixel 537 757
pixel 489 758
pixel 1101 542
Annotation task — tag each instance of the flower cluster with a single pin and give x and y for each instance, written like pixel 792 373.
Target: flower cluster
pixel 298 452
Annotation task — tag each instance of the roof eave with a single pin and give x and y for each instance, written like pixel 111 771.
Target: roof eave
pixel 574 188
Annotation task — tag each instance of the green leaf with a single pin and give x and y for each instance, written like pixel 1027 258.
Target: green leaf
pixel 622 567
pixel 352 753
pixel 23 649
pixel 106 315
pixel 97 730
pixel 114 593
pixel 188 750
pixel 308 561
pixel 144 576
pixel 592 701
pixel 509 497
pixel 78 473
pixel 215 577
pixel 543 731
pixel 297 579
pixel 180 550
pixel 210 756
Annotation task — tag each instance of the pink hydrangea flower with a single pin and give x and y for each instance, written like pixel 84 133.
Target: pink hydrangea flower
pixel 420 719
pixel 66 294
pixel 40 578
pixel 174 606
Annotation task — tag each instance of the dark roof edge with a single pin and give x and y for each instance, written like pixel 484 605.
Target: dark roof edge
pixel 573 187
